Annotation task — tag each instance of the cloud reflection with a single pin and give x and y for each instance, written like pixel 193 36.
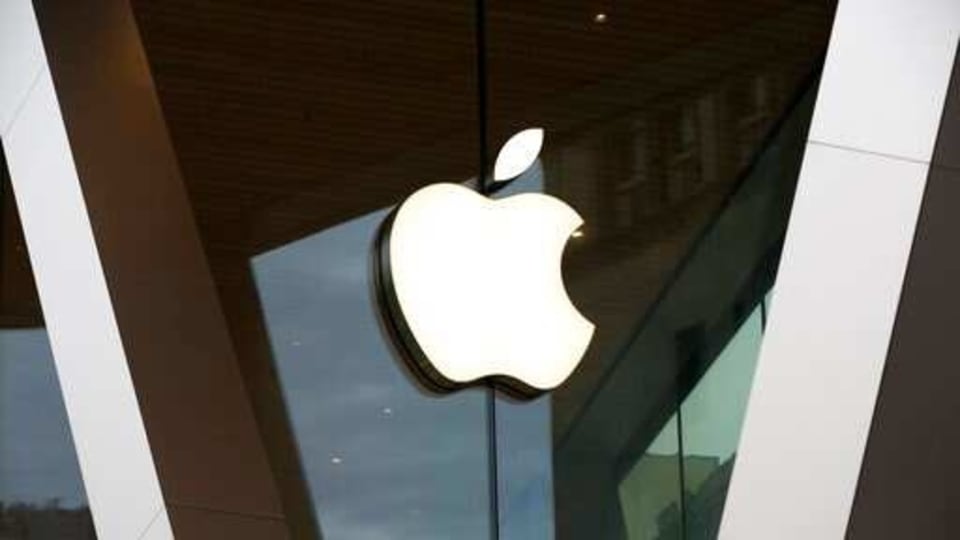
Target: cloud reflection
pixel 420 472
pixel 38 464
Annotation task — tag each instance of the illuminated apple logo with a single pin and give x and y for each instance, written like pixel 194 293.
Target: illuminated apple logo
pixel 472 288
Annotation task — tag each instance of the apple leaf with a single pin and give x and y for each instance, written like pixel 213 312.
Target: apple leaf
pixel 518 154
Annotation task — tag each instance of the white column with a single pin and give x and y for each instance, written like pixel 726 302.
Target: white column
pixel 847 246
pixel 114 454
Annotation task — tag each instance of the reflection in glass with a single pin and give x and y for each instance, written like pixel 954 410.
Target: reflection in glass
pixel 708 425
pixel 669 276
pixel 382 458
pixel 712 417
pixel 41 492
pixel 650 491
pixel 525 469
pixel 293 126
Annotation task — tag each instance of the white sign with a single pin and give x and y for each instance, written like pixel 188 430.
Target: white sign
pixel 473 286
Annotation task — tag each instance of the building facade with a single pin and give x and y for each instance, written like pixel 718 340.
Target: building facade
pixel 194 341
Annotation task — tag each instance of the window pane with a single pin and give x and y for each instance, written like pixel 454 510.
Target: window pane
pixel 650 491
pixel 712 416
pixel 382 458
pixel 676 131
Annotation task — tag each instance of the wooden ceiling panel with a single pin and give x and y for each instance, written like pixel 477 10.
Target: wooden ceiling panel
pixel 290 117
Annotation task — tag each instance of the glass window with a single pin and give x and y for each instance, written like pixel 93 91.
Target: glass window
pixel 675 130
pixel 382 458
pixel 712 416
pixel 650 492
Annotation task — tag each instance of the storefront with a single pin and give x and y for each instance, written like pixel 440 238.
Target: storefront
pixel 236 180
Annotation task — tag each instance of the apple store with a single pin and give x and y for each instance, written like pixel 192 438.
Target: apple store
pixel 477 269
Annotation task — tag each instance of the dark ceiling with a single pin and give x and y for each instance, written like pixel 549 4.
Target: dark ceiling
pixel 290 117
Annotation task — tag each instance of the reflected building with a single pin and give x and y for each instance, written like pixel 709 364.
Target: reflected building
pixel 21 521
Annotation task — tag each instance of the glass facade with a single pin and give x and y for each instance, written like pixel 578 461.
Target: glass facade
pixel 204 338
pixel 676 489
pixel 381 457
pixel 675 130
pixel 41 491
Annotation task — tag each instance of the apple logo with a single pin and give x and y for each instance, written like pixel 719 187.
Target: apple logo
pixel 471 288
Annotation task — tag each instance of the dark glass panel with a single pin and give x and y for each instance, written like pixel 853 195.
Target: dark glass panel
pixel 712 415
pixel 656 117
pixel 296 129
pixel 649 493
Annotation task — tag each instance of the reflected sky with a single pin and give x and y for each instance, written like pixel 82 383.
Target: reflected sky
pixel 525 465
pixel 37 460
pixel 383 459
pixel 713 411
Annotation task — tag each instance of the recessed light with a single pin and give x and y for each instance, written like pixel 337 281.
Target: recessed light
pixel 600 18
pixel 336 460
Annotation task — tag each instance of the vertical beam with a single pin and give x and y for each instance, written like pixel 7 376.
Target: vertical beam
pixel 846 251
pixel 910 470
pixel 167 440
pixel 118 469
